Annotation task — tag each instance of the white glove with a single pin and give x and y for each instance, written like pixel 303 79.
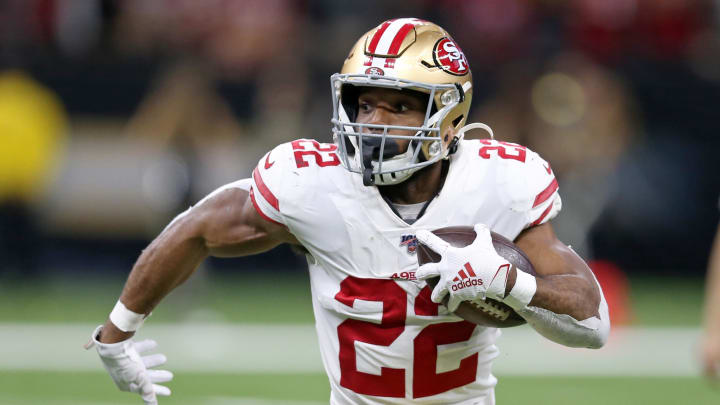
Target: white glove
pixel 130 371
pixel 470 273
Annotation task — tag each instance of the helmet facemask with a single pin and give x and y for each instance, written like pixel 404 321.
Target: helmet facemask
pixel 376 155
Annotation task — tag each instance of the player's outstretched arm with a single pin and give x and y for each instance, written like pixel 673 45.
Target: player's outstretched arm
pixel 568 306
pixel 224 224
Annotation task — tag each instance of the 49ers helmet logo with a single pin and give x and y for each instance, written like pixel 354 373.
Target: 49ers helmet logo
pixel 450 57
pixel 374 71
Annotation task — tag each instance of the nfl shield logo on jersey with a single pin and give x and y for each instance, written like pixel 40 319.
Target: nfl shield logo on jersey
pixel 410 242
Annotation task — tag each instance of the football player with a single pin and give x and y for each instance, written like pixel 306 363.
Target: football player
pixel 398 167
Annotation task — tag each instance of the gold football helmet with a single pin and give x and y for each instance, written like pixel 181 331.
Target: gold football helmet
pixel 403 54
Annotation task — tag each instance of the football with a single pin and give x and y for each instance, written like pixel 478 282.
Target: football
pixel 488 312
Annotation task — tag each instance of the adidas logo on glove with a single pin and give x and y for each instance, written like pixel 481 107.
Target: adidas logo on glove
pixel 464 280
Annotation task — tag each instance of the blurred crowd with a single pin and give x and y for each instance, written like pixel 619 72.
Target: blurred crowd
pixel 116 115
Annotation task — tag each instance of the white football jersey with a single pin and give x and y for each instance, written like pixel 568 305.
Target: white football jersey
pixel 383 341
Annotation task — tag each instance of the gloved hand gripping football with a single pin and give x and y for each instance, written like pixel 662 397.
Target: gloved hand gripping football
pixel 469 273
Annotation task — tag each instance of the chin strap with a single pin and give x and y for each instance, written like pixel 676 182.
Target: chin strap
pixel 368 178
pixel 452 147
pixel 475 125
pixel 367 154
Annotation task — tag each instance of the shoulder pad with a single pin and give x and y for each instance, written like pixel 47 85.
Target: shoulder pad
pixel 527 182
pixel 288 169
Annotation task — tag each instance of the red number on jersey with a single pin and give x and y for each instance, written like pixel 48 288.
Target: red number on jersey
pixel 391 381
pixel 426 380
pixel 324 153
pixel 517 152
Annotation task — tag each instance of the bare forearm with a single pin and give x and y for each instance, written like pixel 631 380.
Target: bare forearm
pixel 567 294
pixel 166 263
pixel 565 284
pixel 563 294
pixel 567 311
pixel 567 305
pixel 223 224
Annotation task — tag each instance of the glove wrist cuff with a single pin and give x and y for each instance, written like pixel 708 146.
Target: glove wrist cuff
pixel 107 350
pixel 522 292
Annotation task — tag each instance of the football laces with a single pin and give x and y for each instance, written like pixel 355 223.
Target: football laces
pixel 491 309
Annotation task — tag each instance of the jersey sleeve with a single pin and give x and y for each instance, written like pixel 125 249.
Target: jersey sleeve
pixel 531 190
pixel 269 183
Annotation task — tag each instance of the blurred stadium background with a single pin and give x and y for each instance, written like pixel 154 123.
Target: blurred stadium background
pixel 117 115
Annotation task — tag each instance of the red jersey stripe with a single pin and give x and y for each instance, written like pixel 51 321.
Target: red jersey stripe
pixel 264 190
pixel 545 194
pixel 259 211
pixel 543 215
pixel 462 274
pixel 378 34
pixel 470 270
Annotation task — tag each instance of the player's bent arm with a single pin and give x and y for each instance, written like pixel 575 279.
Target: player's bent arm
pixel 565 284
pixel 225 225
pixel 568 306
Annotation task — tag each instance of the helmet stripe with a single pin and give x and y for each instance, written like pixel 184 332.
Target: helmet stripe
pixel 395 44
pixel 378 34
pixel 399 38
pixel 387 40
pixel 393 31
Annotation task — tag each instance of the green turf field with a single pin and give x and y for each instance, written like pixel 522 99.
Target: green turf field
pixel 242 299
pixel 305 389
